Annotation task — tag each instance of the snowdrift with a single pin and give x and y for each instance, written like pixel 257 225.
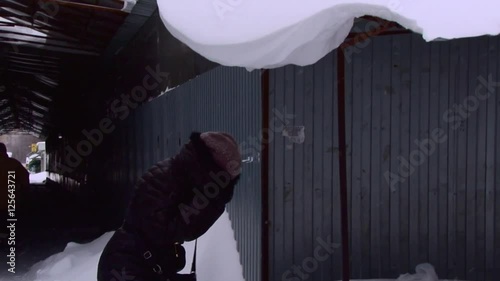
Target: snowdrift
pixel 268 34
pixel 217 258
pixel 39 178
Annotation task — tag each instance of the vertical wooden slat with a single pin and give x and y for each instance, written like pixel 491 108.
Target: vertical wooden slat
pixel 329 175
pixel 491 147
pixel 317 185
pixel 300 184
pixel 414 172
pixel 390 153
pixel 378 82
pixel 278 184
pixel 366 136
pixel 350 145
pixel 496 100
pixel 333 175
pixel 356 181
pixel 480 167
pixel 288 196
pixel 423 168
pixel 433 149
pixel 461 209
pixel 387 230
pixel 312 143
pixel 309 238
pixel 453 79
pixel 343 193
pixel 405 90
pixel 443 181
pixel 471 158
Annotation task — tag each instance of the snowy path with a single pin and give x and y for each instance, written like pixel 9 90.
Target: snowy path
pixel 53 219
pixel 61 237
pixel 64 242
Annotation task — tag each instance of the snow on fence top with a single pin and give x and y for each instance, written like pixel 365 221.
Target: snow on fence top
pixel 272 33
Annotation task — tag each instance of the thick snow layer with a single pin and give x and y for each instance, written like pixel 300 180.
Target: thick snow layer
pixel 39 178
pixel 266 34
pixel 217 258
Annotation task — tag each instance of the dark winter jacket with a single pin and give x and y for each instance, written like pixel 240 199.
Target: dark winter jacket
pixel 167 208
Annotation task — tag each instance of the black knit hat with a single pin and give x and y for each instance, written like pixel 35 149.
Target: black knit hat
pixel 224 150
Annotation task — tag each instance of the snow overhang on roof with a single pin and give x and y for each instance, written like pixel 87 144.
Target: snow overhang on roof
pixel 268 34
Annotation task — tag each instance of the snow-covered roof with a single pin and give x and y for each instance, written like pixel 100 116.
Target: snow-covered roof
pixel 267 34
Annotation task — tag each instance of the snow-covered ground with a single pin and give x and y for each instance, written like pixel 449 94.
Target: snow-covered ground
pixel 39 178
pixel 423 272
pixel 217 258
pixel 266 34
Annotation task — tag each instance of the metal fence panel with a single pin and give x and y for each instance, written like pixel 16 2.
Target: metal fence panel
pixel 436 207
pixel 422 137
pixel 304 186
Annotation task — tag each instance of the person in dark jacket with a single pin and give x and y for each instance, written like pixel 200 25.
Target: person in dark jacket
pixel 19 177
pixel 175 201
pixel 14 186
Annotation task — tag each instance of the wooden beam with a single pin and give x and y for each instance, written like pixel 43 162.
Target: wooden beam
pixel 85 6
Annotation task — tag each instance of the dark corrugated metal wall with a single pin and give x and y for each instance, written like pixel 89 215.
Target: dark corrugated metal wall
pixel 399 90
pixel 304 184
pixel 224 99
pixel 442 208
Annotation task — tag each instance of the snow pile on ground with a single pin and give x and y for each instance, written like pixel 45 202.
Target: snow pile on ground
pixel 78 262
pixel 217 258
pixel 39 178
pixel 266 34
pixel 423 272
